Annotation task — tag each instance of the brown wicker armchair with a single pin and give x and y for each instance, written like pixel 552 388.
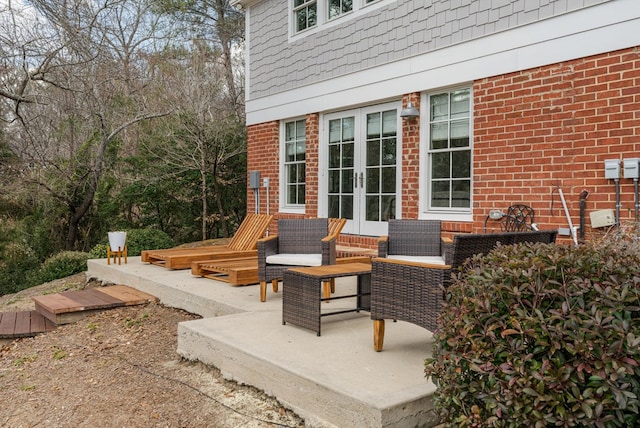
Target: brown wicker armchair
pixel 412 240
pixel 414 292
pixel 299 242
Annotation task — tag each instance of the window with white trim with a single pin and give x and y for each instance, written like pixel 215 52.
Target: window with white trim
pixel 305 14
pixel 294 166
pixel 310 16
pixel 449 151
pixel 339 7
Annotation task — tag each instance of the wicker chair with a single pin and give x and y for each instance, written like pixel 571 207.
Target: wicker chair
pixel 414 292
pixel 412 240
pixel 299 242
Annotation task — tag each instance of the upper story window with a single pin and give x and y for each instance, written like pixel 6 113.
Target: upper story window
pixel 294 163
pixel 305 14
pixel 310 16
pixel 339 7
pixel 449 151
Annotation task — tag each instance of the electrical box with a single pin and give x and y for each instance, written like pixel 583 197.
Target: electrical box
pixel 612 169
pixel 254 179
pixel 631 168
pixel 602 218
pixel 265 182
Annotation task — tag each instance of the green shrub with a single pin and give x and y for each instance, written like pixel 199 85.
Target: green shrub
pixel 137 240
pixel 542 335
pixel 63 264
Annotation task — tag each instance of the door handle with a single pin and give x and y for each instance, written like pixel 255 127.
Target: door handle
pixel 361 179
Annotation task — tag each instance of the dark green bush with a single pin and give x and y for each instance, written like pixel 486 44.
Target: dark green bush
pixel 63 264
pixel 137 240
pixel 542 335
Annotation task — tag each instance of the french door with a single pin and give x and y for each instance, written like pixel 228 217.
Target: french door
pixel 362 174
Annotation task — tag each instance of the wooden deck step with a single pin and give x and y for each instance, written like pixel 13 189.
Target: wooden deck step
pixel 23 324
pixel 71 306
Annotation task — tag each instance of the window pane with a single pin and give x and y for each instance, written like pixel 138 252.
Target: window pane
pixel 334 8
pixel 289 131
pixel 348 130
pixel 302 173
pixel 347 6
pixel 439 107
pixel 389 152
pixel 373 208
pixel 292 174
pixel 461 164
pixel 347 181
pixel 373 153
pixel 389 180
pixel 440 194
pixel 347 155
pixel 301 151
pixel 300 130
pixel 388 207
pixel 301 20
pixel 439 136
pixel 373 125
pixel 461 194
pixel 334 181
pixel 460 133
pixel 389 123
pixel 347 207
pixel 335 128
pixel 373 180
pixel 301 190
pixel 334 156
pixel 312 15
pixel 291 194
pixel 289 152
pixel 334 206
pixel 440 166
pixel 460 104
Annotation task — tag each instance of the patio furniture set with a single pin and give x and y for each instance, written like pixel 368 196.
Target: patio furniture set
pixel 406 282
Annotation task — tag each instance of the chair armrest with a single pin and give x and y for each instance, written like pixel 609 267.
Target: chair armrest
pixel 410 263
pixel 446 245
pixel 383 246
pixel 329 250
pixel 267 246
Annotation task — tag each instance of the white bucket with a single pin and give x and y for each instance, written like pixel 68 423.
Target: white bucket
pixel 117 241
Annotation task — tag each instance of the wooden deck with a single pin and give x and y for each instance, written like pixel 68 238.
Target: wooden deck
pixel 66 307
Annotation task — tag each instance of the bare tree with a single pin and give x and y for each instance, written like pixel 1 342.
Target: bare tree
pixel 84 73
pixel 207 134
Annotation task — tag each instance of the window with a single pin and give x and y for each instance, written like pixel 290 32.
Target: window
pixel 449 151
pixel 307 17
pixel 339 7
pixel 305 14
pixel 294 163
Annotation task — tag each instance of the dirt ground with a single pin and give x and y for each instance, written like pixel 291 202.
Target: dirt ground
pixel 119 368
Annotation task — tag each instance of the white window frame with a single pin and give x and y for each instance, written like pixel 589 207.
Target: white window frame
pixel 284 206
pixel 360 7
pixel 450 214
pixel 305 5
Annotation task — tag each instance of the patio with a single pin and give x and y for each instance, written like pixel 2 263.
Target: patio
pixel 335 380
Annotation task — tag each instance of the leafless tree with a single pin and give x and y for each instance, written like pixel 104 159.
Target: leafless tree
pixel 77 79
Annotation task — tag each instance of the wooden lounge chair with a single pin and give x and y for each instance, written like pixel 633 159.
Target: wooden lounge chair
pixel 243 244
pixel 412 291
pixel 244 270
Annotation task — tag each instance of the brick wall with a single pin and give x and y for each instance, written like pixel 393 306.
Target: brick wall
pixel 551 128
pixel 535 132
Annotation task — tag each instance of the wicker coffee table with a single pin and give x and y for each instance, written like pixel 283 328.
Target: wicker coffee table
pixel 302 292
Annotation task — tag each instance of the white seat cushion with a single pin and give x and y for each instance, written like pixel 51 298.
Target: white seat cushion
pixel 434 260
pixel 295 259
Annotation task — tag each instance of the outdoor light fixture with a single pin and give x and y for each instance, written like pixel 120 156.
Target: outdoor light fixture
pixel 410 112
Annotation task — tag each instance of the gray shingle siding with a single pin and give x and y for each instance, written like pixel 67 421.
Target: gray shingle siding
pixel 393 32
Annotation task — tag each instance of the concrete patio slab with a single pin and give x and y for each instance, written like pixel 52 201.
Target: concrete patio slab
pixel 333 380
